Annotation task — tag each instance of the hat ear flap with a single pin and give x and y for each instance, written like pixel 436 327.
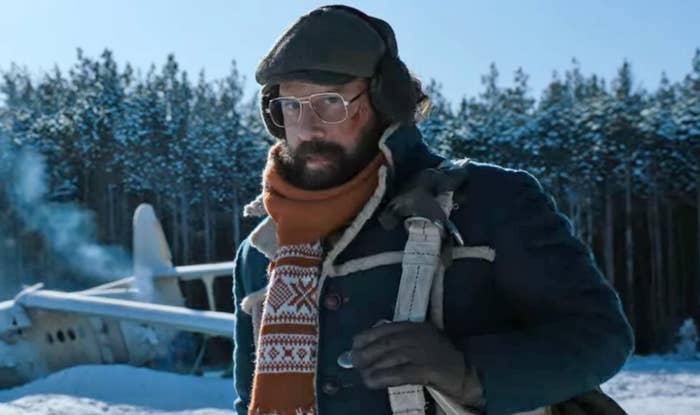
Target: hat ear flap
pixel 267 93
pixel 392 92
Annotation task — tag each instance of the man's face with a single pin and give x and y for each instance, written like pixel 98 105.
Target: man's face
pixel 317 155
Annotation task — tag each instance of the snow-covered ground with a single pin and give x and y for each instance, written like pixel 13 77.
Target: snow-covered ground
pixel 646 386
pixel 119 389
pixel 656 385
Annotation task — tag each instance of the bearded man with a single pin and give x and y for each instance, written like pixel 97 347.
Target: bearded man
pixel 519 316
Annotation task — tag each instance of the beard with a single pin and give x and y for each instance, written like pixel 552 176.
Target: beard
pixel 339 167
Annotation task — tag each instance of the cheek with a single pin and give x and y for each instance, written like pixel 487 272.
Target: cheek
pixel 345 135
pixel 351 130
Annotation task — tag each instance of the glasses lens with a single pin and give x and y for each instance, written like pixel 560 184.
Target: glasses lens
pixel 329 107
pixel 284 111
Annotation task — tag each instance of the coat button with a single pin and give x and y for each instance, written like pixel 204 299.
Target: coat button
pixel 345 360
pixel 330 387
pixel 332 301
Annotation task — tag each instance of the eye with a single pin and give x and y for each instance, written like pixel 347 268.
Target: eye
pixel 332 99
pixel 290 106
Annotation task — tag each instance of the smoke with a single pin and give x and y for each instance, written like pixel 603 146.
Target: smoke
pixel 66 229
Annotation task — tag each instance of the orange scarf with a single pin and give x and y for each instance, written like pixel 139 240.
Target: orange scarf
pixel 288 340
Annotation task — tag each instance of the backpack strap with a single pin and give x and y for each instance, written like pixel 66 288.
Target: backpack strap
pixel 426 203
pixel 421 260
pixel 423 269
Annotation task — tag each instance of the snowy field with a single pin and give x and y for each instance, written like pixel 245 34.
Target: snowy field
pixel 646 386
pixel 657 386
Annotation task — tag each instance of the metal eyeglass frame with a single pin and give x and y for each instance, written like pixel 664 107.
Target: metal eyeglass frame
pixel 307 99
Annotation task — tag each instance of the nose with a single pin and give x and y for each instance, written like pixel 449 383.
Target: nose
pixel 310 125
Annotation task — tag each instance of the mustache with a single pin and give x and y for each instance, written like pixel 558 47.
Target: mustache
pixel 309 148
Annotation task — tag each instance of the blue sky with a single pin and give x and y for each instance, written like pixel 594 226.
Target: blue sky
pixel 451 41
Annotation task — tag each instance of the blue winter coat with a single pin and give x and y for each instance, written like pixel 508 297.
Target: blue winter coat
pixel 539 323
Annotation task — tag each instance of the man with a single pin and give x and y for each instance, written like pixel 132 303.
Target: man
pixel 529 325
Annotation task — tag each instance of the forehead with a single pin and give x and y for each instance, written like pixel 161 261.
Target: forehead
pixel 302 88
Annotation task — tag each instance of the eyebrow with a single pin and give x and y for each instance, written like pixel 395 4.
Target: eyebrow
pixel 331 88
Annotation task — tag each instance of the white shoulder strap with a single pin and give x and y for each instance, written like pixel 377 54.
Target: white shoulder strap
pixel 422 268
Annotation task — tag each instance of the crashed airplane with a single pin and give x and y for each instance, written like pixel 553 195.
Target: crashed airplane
pixel 134 320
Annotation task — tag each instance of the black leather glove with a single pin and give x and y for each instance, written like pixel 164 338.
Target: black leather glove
pixel 417 196
pixel 408 353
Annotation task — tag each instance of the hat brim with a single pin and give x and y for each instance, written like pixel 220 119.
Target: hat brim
pixel 316 77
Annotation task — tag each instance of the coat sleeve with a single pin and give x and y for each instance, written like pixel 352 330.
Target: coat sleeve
pixel 571 333
pixel 243 349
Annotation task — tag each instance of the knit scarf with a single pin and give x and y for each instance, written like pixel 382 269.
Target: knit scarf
pixel 285 367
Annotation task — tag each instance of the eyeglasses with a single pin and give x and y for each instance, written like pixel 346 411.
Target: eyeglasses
pixel 330 107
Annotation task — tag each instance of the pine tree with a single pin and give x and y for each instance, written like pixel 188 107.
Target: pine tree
pixel 551 144
pixel 438 128
pixel 623 113
pixel 687 114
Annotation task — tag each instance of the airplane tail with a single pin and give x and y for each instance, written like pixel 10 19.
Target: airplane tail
pixel 151 251
pixel 152 259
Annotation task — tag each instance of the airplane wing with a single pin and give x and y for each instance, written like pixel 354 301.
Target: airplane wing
pixel 201 321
